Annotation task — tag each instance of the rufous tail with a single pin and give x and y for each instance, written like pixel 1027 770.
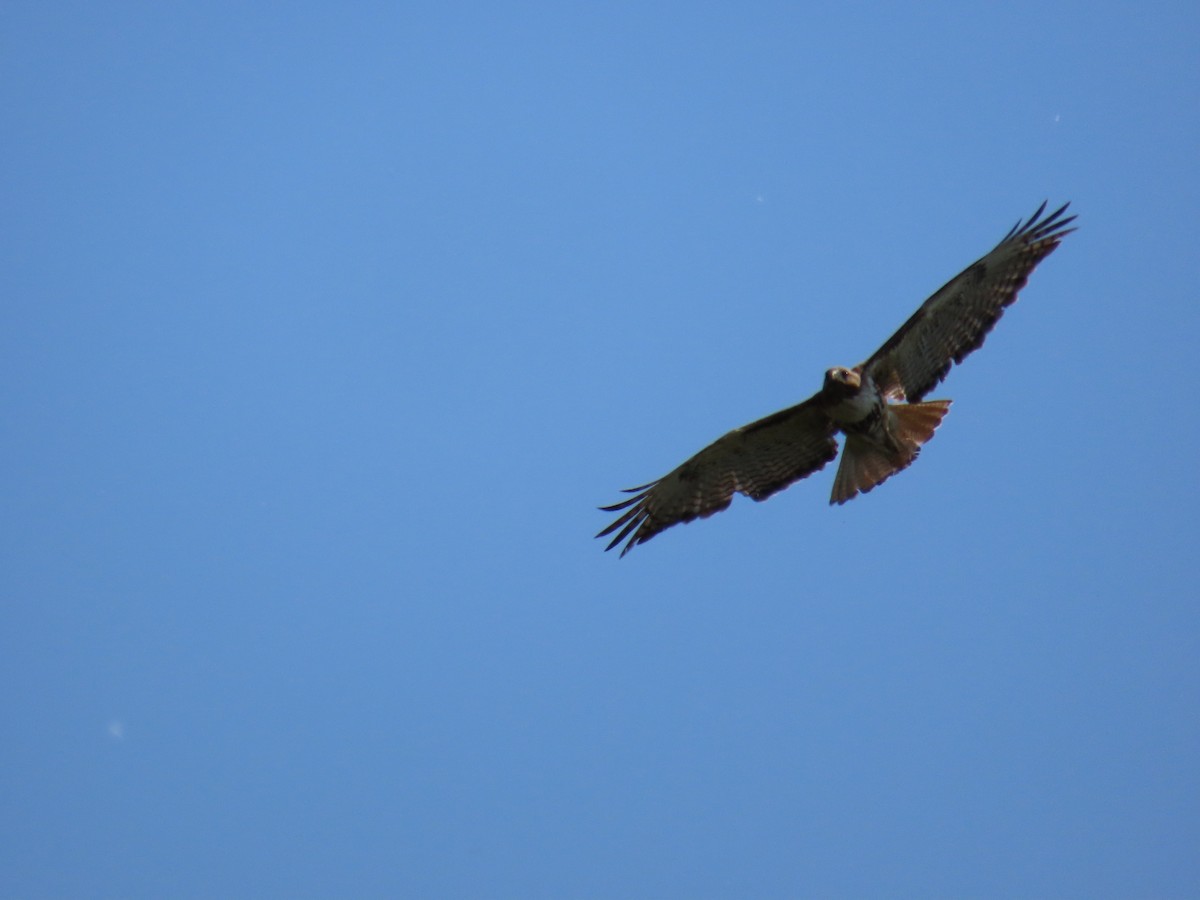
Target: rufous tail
pixel 865 465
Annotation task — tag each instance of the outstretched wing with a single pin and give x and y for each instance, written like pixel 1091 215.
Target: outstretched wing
pixel 757 459
pixel 955 320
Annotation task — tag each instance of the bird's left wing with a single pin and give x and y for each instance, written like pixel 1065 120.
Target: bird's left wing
pixel 757 460
pixel 955 320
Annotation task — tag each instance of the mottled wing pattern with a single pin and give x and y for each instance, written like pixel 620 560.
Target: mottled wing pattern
pixel 757 460
pixel 955 320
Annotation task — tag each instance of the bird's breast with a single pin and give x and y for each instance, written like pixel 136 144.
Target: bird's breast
pixel 857 409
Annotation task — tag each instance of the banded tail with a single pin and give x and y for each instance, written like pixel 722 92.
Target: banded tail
pixel 865 464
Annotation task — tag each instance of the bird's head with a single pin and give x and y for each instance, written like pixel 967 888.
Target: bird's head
pixel 841 382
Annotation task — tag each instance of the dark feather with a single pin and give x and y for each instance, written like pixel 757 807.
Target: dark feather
pixel 954 321
pixel 757 460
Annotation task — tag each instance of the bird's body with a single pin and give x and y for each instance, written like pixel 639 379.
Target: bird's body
pixel 877 405
pixel 881 438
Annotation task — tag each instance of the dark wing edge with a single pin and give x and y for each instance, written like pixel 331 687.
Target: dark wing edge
pixel 757 460
pixel 955 320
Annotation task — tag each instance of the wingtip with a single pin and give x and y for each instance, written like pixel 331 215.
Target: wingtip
pixel 1038 228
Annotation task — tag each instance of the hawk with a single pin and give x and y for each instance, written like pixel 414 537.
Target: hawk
pixel 878 405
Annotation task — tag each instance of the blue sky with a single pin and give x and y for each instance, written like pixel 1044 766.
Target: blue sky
pixel 325 329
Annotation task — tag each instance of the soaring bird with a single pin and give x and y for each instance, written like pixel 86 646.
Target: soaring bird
pixel 878 405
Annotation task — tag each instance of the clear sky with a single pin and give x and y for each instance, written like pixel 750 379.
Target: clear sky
pixel 325 328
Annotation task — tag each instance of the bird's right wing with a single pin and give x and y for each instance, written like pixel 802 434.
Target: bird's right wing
pixel 757 460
